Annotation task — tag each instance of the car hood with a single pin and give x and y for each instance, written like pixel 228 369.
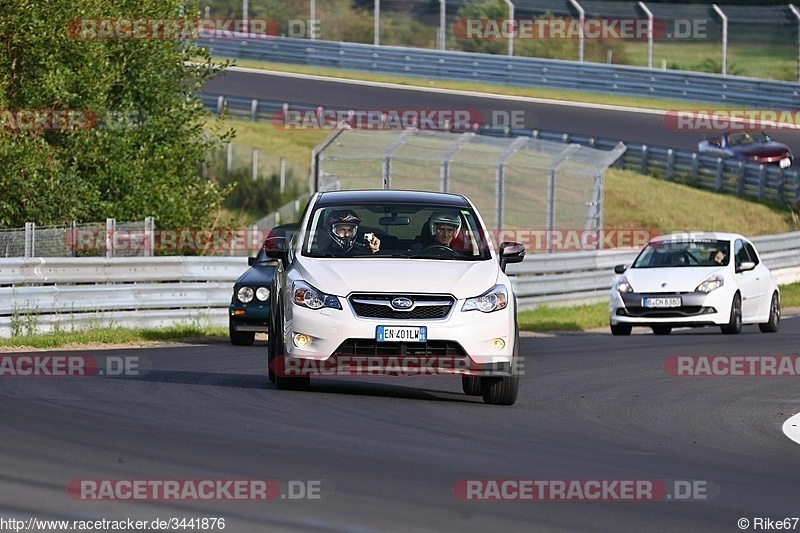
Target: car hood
pixel 762 150
pixel 257 275
pixel 462 279
pixel 682 279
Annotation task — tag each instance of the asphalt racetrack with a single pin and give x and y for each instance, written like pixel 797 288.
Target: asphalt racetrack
pixel 649 127
pixel 394 454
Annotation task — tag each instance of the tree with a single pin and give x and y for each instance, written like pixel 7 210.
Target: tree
pixel 138 136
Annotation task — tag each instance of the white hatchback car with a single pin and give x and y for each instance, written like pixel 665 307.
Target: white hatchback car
pixel 387 277
pixel 695 279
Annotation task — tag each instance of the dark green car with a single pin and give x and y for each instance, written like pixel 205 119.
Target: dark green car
pixel 248 313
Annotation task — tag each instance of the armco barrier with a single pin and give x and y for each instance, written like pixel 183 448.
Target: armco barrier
pixel 523 71
pixel 47 294
pixel 749 180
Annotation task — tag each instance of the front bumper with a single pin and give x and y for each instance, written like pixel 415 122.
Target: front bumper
pixel 465 341
pixel 696 309
pixel 251 317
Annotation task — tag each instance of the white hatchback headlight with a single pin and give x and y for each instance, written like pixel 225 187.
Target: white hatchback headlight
pixel 494 299
pixel 305 295
pixel 713 282
pixel 623 285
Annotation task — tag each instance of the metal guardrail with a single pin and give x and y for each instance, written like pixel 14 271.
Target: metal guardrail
pixel 48 294
pixel 749 180
pixel 523 71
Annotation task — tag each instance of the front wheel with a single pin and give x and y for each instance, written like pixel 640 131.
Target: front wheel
pixel 503 390
pixel 621 329
pixel 734 325
pixel 471 385
pixel 774 322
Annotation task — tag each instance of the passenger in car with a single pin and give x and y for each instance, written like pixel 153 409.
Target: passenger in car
pixel 718 257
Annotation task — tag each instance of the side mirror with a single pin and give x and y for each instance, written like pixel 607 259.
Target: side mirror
pixel 275 247
pixel 251 261
pixel 747 265
pixel 620 269
pixel 511 252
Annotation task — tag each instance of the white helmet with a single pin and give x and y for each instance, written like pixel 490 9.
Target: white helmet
pixel 445 217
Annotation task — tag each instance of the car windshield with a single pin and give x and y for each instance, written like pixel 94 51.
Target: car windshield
pixel 422 231
pixel 747 137
pixel 684 253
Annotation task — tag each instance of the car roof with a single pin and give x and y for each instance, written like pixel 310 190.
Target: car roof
pixel 699 235
pixel 393 196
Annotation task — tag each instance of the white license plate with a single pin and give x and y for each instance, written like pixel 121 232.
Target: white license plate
pixel 785 162
pixel 661 302
pixel 402 334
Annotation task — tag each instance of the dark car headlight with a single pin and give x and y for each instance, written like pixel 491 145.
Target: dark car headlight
pixel 262 293
pixel 245 294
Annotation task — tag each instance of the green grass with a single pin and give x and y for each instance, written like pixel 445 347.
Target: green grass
pixel 132 337
pixel 551 318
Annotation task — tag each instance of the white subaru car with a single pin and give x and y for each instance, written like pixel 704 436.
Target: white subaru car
pixel 695 279
pixel 377 281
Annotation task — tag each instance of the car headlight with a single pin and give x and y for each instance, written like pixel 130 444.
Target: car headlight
pixel 494 299
pixel 262 293
pixel 713 282
pixel 245 294
pixel 623 285
pixel 307 296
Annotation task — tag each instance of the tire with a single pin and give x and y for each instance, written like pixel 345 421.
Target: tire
pixel 621 329
pixel 774 322
pixel 241 338
pixel 271 351
pixel 662 330
pixel 471 385
pixel 734 325
pixel 503 390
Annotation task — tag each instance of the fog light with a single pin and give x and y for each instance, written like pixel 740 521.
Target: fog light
pixel 498 344
pixel 239 312
pixel 301 340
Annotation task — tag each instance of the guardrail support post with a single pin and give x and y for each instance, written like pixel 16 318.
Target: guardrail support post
pixel 720 174
pixel 255 164
pixel 220 104
pixel 377 23
pixel 254 110
pixel 695 168
pixel 442 25
pixel 512 28
pixel 644 158
pixel 762 181
pixel 670 164
pixel 740 179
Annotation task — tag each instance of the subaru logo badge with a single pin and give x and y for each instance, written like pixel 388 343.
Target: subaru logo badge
pixel 402 303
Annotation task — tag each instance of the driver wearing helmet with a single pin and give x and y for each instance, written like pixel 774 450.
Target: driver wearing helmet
pixel 342 227
pixel 444 226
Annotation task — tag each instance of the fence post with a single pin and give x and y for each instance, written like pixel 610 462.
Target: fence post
pixel 254 110
pixel 229 162
pixel 150 236
pixel 111 227
pixel 255 164
pixel 740 179
pixel 695 168
pixel 30 239
pixel 283 174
